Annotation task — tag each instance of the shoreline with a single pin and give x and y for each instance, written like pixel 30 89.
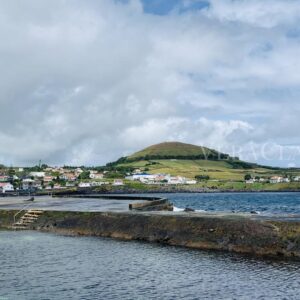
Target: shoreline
pixel 239 233
pixel 130 191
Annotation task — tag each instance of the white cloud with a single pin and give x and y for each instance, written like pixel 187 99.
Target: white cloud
pixel 84 82
pixel 261 13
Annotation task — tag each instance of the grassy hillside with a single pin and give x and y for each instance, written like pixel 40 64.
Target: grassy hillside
pixel 216 170
pixel 169 150
pixel 189 161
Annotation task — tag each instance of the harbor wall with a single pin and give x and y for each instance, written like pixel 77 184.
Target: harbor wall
pixel 271 238
pixel 225 232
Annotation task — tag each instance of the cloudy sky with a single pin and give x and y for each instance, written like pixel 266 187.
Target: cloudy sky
pixel 85 82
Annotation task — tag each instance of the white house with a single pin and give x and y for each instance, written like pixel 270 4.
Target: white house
pixel 118 182
pixel 96 175
pixel 191 181
pixel 84 184
pixel 27 183
pixel 37 174
pixel 48 178
pixel 250 181
pixel 276 179
pixel 177 180
pixel 6 187
pixel 3 178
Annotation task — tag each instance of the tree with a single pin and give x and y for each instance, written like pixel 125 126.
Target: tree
pixel 248 177
pixel 202 177
pixel 84 175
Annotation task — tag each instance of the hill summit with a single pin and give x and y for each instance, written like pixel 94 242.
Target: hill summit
pixel 176 150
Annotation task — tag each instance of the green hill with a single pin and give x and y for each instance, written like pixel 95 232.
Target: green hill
pixel 190 161
pixel 176 150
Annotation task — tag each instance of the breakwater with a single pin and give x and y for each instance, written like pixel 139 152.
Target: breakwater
pixel 236 233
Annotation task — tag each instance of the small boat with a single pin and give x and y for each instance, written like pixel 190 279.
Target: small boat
pixel 30 199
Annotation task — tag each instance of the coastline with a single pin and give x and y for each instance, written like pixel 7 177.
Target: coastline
pixel 239 232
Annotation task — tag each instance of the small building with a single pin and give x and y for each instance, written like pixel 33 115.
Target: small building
pixel 250 181
pixel 68 176
pixel 27 183
pixel 191 181
pixel 118 182
pixel 84 184
pixel 276 179
pixel 57 186
pixel 78 171
pixel 48 178
pixel 6 187
pixel 96 175
pixel 4 178
pixel 177 180
pixel 37 174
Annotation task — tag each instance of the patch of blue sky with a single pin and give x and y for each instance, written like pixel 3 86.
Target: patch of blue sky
pixel 293 33
pixel 164 7
pixel 261 49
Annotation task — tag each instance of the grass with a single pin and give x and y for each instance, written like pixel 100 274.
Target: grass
pixel 216 170
pixel 173 149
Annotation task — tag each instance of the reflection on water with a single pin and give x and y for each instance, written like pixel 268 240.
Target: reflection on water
pixel 46 266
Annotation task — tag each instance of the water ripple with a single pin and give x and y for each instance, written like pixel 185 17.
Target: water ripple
pixel 59 267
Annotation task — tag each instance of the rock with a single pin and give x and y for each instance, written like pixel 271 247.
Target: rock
pixel 253 212
pixel 187 209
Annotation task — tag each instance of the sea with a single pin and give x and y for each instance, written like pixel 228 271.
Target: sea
pixel 269 204
pixel 35 265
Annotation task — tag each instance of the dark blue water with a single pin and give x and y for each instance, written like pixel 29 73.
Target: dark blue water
pixel 266 203
pixel 36 265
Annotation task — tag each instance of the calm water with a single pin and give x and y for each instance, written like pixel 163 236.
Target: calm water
pixel 266 203
pixel 46 266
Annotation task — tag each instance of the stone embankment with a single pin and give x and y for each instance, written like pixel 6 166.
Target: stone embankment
pixel 242 234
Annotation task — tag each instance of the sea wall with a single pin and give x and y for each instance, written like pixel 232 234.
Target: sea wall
pixel 7 218
pixel 242 234
pixel 214 232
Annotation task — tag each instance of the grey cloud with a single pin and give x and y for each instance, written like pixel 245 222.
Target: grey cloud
pixel 84 82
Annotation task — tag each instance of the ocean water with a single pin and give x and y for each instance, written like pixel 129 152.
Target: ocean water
pixel 264 203
pixel 36 265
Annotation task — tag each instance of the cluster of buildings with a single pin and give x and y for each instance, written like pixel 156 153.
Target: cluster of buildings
pixel 159 179
pixel 274 179
pixel 50 178
pixel 61 177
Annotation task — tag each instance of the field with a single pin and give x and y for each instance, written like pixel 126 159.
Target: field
pixel 216 170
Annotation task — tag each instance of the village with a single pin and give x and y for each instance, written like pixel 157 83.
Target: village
pixel 58 178
pixel 273 180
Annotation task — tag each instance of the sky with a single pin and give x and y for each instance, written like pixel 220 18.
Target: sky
pixel 86 82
